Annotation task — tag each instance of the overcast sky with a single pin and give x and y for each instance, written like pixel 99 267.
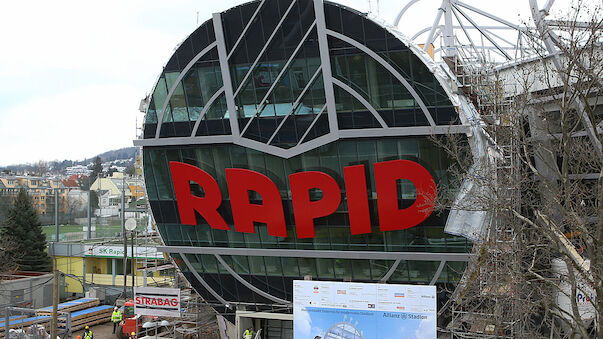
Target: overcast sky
pixel 73 72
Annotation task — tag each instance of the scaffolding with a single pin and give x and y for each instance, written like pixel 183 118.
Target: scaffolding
pixel 198 319
pixel 485 304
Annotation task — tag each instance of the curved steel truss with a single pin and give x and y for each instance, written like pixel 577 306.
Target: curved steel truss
pixel 460 29
pixel 240 134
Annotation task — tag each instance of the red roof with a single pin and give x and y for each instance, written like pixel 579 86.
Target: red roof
pixel 74 180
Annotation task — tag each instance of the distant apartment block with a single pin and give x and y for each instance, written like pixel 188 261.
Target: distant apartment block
pixel 78 169
pixel 40 189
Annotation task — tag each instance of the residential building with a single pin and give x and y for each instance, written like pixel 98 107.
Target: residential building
pixel 42 191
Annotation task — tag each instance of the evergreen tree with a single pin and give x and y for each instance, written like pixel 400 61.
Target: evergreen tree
pixel 97 168
pixel 23 230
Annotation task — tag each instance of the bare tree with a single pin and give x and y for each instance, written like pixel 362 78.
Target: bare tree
pixel 538 267
pixel 40 168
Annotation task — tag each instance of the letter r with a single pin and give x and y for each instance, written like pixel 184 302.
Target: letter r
pixel 182 175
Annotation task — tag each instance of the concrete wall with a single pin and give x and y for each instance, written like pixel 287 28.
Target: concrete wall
pixel 33 292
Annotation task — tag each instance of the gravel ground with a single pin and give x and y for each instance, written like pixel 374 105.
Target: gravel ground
pixel 102 331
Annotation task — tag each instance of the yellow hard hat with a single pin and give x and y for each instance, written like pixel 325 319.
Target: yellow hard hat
pixel 133 333
pixel 86 327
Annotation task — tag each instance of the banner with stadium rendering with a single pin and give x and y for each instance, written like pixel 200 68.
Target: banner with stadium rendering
pixel 360 310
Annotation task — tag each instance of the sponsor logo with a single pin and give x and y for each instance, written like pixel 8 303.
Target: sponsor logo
pixel 305 209
pixel 583 298
pixel 341 291
pixel 157 301
pixel 399 295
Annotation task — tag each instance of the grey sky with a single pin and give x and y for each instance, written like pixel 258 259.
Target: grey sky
pixel 73 72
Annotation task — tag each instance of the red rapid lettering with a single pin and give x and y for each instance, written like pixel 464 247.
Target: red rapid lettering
pixel 240 182
pixel 306 210
pixel 182 175
pixel 358 208
pixel 391 217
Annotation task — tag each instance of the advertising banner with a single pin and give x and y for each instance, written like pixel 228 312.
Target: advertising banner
pixel 156 301
pixel 363 311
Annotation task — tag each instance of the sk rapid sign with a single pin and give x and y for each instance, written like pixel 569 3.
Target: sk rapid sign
pixel 118 252
pixel 270 211
pixel 155 301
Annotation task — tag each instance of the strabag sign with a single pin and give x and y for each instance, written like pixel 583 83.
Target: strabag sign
pixel 361 310
pixel 156 301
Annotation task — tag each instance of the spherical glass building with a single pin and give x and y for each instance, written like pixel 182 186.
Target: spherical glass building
pixel 285 87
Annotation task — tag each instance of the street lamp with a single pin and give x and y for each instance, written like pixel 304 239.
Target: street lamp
pixel 130 225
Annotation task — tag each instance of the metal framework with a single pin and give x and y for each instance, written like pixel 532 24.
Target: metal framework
pixel 239 135
pixel 218 252
pixel 460 29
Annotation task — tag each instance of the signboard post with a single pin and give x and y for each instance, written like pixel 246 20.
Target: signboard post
pixel 363 311
pixel 157 301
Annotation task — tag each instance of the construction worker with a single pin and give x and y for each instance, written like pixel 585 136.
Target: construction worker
pixel 248 334
pixel 115 317
pixel 133 336
pixel 87 333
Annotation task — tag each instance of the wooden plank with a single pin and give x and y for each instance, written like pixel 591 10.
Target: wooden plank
pixel 87 319
pixel 103 309
pixel 11 318
pixel 26 322
pixel 71 306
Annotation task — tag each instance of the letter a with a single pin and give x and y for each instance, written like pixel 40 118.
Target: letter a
pixel 240 182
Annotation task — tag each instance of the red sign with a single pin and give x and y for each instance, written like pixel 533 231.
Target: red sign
pixel 157 301
pixel 270 211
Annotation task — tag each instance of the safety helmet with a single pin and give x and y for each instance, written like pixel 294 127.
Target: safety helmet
pixel 115 308
pixel 86 327
pixel 133 333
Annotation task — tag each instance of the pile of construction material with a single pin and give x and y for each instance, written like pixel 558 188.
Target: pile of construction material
pixel 87 317
pixel 22 321
pixel 84 312
pixel 71 306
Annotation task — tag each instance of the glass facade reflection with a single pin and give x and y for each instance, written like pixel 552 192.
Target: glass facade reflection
pixel 278 85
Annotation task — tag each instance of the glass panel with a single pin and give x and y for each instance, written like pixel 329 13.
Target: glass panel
pixel 194 97
pixel 162 175
pixel 290 268
pixel 325 268
pixel 160 94
pixel 307 266
pixel 361 270
pixel 178 104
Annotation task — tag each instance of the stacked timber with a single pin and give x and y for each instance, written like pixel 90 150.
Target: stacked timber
pixel 22 321
pixel 87 317
pixel 71 306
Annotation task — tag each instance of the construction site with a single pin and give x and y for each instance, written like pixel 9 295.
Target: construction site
pixel 513 248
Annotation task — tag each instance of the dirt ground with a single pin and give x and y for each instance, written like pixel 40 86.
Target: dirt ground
pixel 102 331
